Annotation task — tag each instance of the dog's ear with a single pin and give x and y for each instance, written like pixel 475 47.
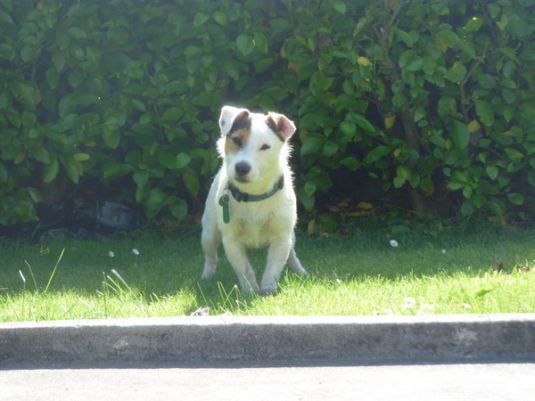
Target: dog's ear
pixel 230 117
pixel 281 125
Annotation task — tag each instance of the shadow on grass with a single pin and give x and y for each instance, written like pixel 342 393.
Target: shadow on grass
pixel 151 269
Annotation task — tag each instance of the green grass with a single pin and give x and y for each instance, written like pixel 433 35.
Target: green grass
pixel 357 275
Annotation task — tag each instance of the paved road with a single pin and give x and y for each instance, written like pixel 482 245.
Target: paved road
pixel 471 382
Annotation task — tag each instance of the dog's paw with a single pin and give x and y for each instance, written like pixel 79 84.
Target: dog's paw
pixel 207 276
pixel 208 273
pixel 268 287
pixel 301 271
pixel 266 292
pixel 249 287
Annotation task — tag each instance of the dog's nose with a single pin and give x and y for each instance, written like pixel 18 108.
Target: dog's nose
pixel 242 168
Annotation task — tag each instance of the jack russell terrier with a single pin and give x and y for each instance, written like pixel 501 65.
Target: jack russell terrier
pixel 252 202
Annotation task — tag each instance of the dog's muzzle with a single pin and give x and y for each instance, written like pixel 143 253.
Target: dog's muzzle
pixel 242 169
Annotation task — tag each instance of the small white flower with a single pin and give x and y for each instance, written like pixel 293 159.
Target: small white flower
pixel 443 251
pixel 135 251
pixel 410 303
pixel 111 254
pixel 394 243
pixel 338 281
pixel 467 306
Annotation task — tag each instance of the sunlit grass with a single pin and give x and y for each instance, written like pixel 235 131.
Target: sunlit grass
pixel 359 275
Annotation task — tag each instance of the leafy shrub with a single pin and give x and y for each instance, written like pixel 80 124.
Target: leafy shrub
pixel 437 96
pixel 433 96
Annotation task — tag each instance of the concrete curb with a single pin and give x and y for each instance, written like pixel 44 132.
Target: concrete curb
pixel 253 339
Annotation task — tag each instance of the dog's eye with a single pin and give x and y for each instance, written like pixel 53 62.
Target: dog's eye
pixel 265 147
pixel 237 141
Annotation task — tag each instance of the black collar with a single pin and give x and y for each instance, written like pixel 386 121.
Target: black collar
pixel 245 197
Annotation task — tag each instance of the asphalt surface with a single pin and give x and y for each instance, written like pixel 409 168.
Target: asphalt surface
pixel 471 382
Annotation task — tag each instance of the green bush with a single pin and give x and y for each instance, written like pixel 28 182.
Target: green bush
pixel 433 96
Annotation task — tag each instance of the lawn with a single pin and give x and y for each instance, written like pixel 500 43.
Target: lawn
pixel 362 274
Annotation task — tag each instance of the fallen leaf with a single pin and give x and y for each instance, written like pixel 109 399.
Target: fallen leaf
pixel 523 268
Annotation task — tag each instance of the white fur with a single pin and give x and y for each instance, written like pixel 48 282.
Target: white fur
pixel 267 223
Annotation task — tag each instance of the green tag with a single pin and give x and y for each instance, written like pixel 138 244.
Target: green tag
pixel 224 203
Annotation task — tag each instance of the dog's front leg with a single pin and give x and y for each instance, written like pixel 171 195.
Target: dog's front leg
pixel 210 240
pixel 278 253
pixel 237 256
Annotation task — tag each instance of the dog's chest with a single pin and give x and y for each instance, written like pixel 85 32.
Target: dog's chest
pixel 256 226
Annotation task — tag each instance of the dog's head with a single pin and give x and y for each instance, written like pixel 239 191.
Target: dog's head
pixel 254 146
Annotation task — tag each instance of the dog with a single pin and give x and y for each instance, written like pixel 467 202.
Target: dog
pixel 252 202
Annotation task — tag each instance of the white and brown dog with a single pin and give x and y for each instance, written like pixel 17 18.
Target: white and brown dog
pixel 252 202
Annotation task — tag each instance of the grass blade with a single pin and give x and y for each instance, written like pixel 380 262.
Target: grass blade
pixel 121 279
pixel 31 274
pixel 53 274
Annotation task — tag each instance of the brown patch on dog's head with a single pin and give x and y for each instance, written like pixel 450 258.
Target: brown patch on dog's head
pixel 241 121
pixel 239 133
pixel 236 140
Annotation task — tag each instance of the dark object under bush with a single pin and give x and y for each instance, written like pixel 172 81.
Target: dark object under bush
pixel 80 218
